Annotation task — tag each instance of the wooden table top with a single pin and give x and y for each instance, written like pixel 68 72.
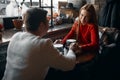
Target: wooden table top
pixel 7 34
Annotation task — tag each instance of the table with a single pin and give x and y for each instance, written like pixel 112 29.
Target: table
pixel 53 33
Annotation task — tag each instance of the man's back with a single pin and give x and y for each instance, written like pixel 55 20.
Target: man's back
pixel 31 57
pixel 19 51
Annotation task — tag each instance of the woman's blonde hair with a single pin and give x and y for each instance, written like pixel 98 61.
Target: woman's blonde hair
pixel 90 8
pixel 93 18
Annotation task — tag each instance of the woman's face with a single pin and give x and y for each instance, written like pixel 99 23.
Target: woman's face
pixel 84 17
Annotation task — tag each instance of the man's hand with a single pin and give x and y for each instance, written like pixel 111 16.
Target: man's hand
pixel 75 47
pixel 58 41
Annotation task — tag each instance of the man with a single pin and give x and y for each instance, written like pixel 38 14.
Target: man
pixel 29 56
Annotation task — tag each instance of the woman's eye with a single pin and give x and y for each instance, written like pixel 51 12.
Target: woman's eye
pixel 81 14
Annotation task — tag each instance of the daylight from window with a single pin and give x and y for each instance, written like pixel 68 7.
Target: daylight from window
pixel 10 7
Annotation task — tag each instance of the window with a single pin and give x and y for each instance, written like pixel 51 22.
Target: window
pixel 48 3
pixel 26 5
pixel 13 11
pixel 3 4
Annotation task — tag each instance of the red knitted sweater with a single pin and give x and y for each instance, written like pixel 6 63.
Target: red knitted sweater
pixel 88 37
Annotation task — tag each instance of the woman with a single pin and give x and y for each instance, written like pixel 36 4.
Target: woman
pixel 85 31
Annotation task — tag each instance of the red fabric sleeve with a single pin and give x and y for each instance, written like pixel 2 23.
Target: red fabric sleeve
pixel 88 37
pixel 94 44
pixel 71 34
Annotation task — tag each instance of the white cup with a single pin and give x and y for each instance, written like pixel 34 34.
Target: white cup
pixel 69 41
pixel 59 47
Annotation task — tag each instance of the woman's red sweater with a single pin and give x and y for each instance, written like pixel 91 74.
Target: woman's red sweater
pixel 88 37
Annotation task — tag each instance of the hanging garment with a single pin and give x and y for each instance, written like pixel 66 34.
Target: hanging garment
pixel 110 14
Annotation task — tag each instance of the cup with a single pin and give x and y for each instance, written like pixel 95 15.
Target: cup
pixel 69 41
pixel 59 47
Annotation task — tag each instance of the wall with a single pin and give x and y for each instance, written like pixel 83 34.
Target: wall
pixel 97 3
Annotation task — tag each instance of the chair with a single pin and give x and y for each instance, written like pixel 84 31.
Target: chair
pixel 3 54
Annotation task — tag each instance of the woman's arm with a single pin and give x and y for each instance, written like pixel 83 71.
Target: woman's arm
pixel 71 33
pixel 94 44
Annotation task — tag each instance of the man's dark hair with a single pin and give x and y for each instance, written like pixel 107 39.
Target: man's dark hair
pixel 33 17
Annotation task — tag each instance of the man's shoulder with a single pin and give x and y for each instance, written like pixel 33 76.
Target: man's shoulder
pixel 17 34
pixel 43 43
pixel 46 41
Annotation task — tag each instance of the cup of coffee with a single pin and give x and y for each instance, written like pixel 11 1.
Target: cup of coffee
pixel 69 41
pixel 59 47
